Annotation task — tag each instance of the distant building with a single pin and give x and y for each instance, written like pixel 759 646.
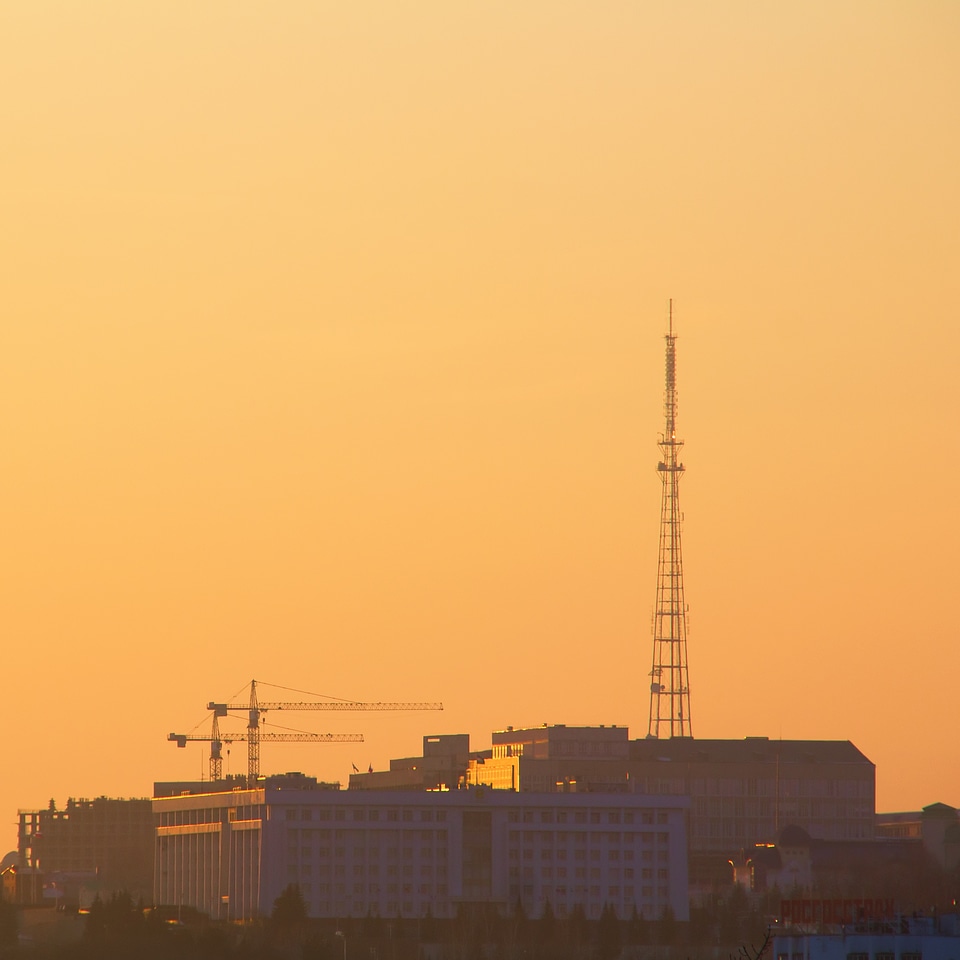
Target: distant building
pixel 556 757
pixel 404 852
pixel 104 844
pixel 742 792
pixel 277 781
pixel 937 826
pixel 746 791
pixel 800 866
pixel 443 766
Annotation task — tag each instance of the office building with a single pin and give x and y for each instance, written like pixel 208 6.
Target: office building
pixel 402 852
pixel 742 792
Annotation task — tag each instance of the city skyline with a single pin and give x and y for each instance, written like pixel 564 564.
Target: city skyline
pixel 334 358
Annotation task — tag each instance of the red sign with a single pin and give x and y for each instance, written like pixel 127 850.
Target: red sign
pixel 835 911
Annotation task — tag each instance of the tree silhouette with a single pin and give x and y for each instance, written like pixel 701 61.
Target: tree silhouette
pixel 289 908
pixel 428 927
pixel 289 914
pixel 733 915
pixel 9 923
pixel 547 926
pixel 667 927
pixel 521 925
pixel 637 932
pixel 577 927
pixel 608 934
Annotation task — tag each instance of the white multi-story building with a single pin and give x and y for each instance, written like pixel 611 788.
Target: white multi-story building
pixel 391 853
pixel 904 938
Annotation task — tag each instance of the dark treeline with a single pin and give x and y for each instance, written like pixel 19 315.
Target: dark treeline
pixel 120 929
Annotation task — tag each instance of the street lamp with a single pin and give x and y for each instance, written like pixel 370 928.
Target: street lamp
pixel 343 937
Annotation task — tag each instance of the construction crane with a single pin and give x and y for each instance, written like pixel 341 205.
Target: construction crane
pixel 216 741
pixel 254 708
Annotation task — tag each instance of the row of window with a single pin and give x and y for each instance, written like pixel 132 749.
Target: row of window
pixel 580 873
pixel 179 818
pixel 361 870
pixel 662 837
pixel 748 830
pixel 588 816
pixel 304 835
pixel 848 787
pixel 309 814
pixel 751 807
pixel 563 898
pixel 613 855
pixel 884 955
pixel 863 955
pixel 363 814
pixel 311 891
pixel 364 853
pixel 373 872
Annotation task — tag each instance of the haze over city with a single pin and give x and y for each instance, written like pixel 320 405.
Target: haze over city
pixel 333 357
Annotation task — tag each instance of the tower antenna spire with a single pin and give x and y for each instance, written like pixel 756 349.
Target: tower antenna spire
pixel 669 678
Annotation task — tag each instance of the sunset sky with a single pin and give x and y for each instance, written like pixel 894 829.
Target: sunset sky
pixel 332 355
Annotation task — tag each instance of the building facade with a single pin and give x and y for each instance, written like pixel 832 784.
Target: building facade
pixel 741 792
pixel 442 766
pixel 402 853
pixel 937 826
pixel 109 842
pixel 906 938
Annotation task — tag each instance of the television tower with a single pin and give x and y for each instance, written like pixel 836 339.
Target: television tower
pixel 669 680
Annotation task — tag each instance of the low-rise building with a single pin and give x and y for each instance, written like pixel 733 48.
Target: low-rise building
pixel 892 938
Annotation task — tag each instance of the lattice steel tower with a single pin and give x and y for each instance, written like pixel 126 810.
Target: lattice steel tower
pixel 669 679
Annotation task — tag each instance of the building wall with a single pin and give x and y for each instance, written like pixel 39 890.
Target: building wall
pixel 742 791
pixel 442 766
pixel 937 826
pixel 208 852
pixel 560 741
pixel 111 839
pixel 400 853
pixel 863 946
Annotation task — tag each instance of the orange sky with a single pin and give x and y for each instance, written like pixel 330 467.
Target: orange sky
pixel 332 356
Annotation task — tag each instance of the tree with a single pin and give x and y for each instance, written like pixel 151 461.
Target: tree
pixel 9 923
pixel 547 926
pixel 637 932
pixel 733 913
pixel 95 928
pixel 702 928
pixel 521 925
pixel 667 927
pixel 608 934
pixel 428 927
pixel 577 927
pixel 289 909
